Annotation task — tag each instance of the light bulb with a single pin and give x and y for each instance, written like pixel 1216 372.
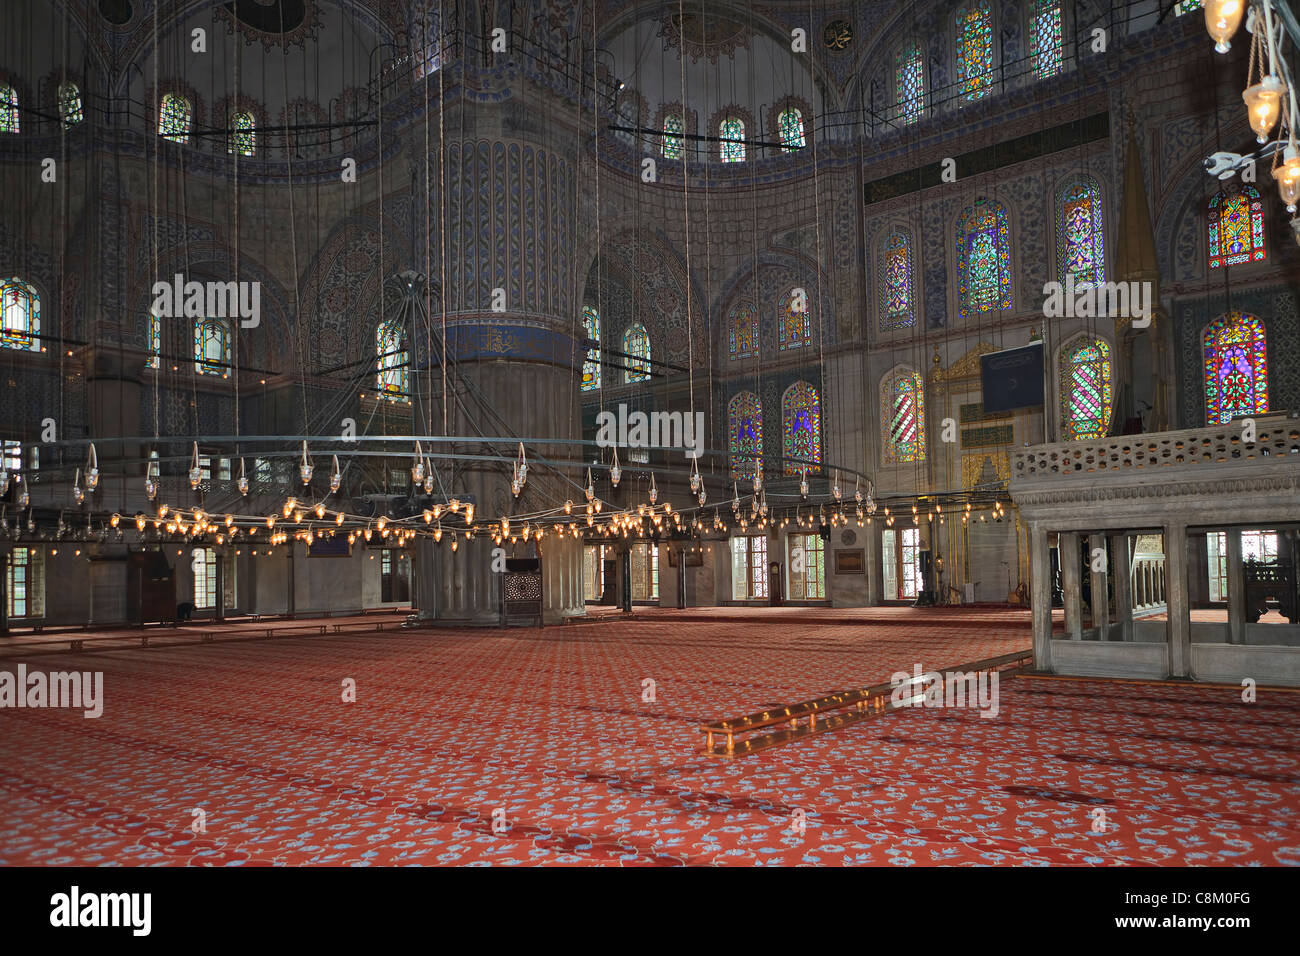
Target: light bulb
pixel 615 473
pixel 1222 18
pixel 1288 178
pixel 1263 105
pixel 139 523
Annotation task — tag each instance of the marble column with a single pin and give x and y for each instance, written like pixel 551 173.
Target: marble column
pixel 1100 604
pixel 1122 569
pixel 1040 574
pixel 1236 589
pixel 1180 648
pixel 1068 547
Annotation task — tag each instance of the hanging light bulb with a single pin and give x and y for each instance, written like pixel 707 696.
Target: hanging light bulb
pixel 695 474
pixel 417 468
pixel 1263 105
pixel 437 533
pixel 654 492
pixel 835 488
pixel 735 498
pixel 320 509
pixel 428 477
pixel 196 471
pixel 589 491
pixel 454 544
pixel 857 490
pixel 78 494
pixel 4 481
pixel 568 506
pixel 469 513
pixel 1222 18
pixel 516 485
pixel 1288 177
pixel 92 469
pixel 701 497
pixel 615 472
pixel 336 476
pixel 803 483
pixel 139 522
pixel 24 499
pixel 305 468
pixel 758 478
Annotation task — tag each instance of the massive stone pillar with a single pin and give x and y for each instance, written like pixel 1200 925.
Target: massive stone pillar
pixel 1068 548
pixel 1180 623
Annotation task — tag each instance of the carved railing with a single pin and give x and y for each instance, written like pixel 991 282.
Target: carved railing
pixel 1147 582
pixel 1276 436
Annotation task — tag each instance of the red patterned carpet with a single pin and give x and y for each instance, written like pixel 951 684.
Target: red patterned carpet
pixel 550 728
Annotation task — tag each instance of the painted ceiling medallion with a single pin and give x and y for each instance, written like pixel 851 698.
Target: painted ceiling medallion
pixel 838 35
pixel 274 22
pixel 707 35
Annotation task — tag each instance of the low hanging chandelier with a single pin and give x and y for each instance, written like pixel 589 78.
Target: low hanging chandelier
pixel 1270 95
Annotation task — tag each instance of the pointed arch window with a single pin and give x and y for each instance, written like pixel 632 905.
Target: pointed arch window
pixel 20 316
pixel 898 298
pixel 909 83
pixel 732 133
pixel 1236 368
pixel 974 33
pixel 1045 47
pixel 801 431
pixel 742 328
pixel 1085 390
pixel 1236 227
pixel 673 129
pixel 745 435
pixel 70 108
pixel 794 321
pixel 392 361
pixel 243 134
pixel 1080 243
pixel 791 124
pixel 212 347
pixel 636 344
pixel 591 367
pixel 983 259
pixel 174 118
pixel 902 404
pixel 8 109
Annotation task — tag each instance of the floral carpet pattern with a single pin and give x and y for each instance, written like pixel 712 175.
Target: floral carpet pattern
pixel 540 747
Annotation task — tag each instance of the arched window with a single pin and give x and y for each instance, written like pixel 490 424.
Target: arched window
pixel 391 361
pixel 636 343
pixel 153 340
pixel 983 259
pixel 801 428
pixel 174 118
pixel 898 305
pixel 974 33
pixel 1080 241
pixel 673 129
pixel 70 104
pixel 591 367
pixel 1236 368
pixel 902 406
pixel 745 435
pixel 909 83
pixel 1236 226
pixel 793 320
pixel 732 132
pixel 1186 6
pixel 791 123
pixel 212 347
pixel 243 134
pixel 1045 37
pixel 8 109
pixel 742 327
pixel 1085 390
pixel 20 327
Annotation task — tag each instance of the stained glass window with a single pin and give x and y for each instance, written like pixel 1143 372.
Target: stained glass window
pixel 745 435
pixel 636 343
pixel 591 367
pixel 732 132
pixel 1236 368
pixel 1186 6
pixel 743 331
pixel 909 83
pixel 70 104
pixel 391 361
pixel 794 321
pixel 174 118
pixel 153 339
pixel 1045 37
pixel 212 347
pixel 1236 226
pixel 983 259
pixel 801 432
pixel 975 50
pixel 243 136
pixel 672 136
pixel 20 327
pixel 896 267
pixel 902 406
pixel 1085 390
pixel 791 123
pixel 1081 244
pixel 8 109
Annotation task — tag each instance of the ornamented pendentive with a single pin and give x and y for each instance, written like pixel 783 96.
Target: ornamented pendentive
pixel 277 23
pixel 708 36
